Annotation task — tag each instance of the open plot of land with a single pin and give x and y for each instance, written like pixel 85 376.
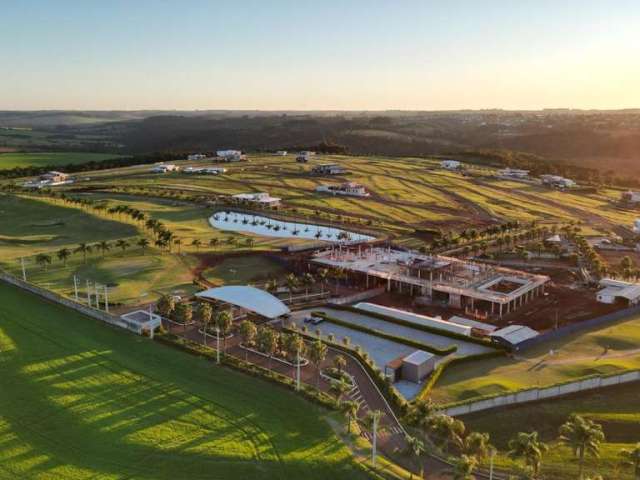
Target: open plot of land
pixel 241 270
pixel 599 350
pixel 43 159
pixel 82 400
pixel 615 408
pixel 31 226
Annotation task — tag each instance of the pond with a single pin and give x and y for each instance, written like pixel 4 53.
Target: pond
pixel 269 227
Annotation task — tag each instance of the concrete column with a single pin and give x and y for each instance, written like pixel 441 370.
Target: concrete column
pixel 500 310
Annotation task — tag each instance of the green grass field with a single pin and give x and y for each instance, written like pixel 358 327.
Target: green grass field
pixel 244 270
pixel 574 356
pixel 31 226
pixel 82 400
pixel 615 408
pixel 42 159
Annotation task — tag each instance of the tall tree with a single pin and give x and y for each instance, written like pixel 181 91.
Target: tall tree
pixel 530 448
pixel 63 254
pixel 205 313
pixel 104 247
pixel 415 448
pixel 248 333
pixel 583 436
pixel 224 322
pixel 143 243
pixel 43 260
pixel 350 409
pixel 122 245
pixel 166 305
pixel 631 457
pixel 317 354
pixel 84 249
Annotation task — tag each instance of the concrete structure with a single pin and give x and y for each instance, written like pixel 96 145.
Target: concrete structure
pixel 304 156
pixel 141 320
pixel 460 284
pixel 417 366
pixel 630 197
pixel 328 169
pixel 54 177
pixel 618 291
pixel 450 164
pixel 424 320
pixel 557 181
pixel 513 335
pixel 513 173
pixel 260 198
pixel 164 168
pixel 247 298
pixel 348 188
pixel 230 155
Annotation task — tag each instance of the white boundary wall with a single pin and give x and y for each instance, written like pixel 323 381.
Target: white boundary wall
pixel 54 297
pixel 536 394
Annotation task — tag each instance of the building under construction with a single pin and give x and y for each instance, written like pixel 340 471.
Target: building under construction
pixel 475 287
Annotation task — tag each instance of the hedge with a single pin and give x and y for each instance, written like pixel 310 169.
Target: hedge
pixel 416 326
pixel 394 338
pixel 197 349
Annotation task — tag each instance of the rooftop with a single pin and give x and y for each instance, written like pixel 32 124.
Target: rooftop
pixel 248 298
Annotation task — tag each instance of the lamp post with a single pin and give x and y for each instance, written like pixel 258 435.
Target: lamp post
pixel 298 370
pixel 217 345
pixel 75 286
pixel 493 454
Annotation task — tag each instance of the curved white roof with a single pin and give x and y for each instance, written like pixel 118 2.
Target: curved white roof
pixel 249 298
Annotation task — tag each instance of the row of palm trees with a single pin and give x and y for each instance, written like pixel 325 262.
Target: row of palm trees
pixel 63 255
pixel 581 435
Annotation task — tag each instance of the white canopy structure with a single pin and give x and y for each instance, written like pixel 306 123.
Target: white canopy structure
pixel 249 298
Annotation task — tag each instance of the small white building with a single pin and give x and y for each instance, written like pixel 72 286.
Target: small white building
pixel 618 291
pixel 513 335
pixel 348 188
pixel 451 164
pixel 281 153
pixel 328 169
pixel 164 168
pixel 141 320
pixel 417 365
pixel 513 173
pixel 557 181
pixel 630 197
pixel 196 156
pixel 230 155
pixel 54 177
pixel 260 198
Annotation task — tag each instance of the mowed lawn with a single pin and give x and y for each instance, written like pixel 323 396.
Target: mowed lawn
pixel 32 226
pixel 603 350
pixel 615 408
pixel 43 159
pixel 82 400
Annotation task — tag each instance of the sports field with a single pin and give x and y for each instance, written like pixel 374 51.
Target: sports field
pixel 81 400
pixel 43 159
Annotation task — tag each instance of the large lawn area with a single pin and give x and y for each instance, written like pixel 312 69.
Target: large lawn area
pixel 601 350
pixel 81 400
pixel 616 409
pixel 31 226
pixel 43 159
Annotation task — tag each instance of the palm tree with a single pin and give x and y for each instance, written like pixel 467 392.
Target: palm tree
pixel 350 409
pixel 292 282
pixel 104 247
pixel 143 243
pixel 184 313
pixel 415 448
pixel 464 467
pixel 340 363
pixel 63 254
pixel 249 242
pixel 477 444
pixel 528 447
pixel 447 429
pixel 178 243
pixel 84 249
pixel 583 436
pixel 269 340
pixel 196 243
pixel 204 313
pixel 122 245
pixel 322 274
pixel 224 321
pixel 214 242
pixel 248 332
pixel 43 260
pixel 166 305
pixel 307 280
pixel 631 458
pixel 317 354
pixel 271 285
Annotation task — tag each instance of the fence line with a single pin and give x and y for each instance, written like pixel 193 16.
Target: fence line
pixel 543 393
pixel 59 299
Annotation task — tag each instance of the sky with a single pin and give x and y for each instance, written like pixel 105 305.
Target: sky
pixel 319 55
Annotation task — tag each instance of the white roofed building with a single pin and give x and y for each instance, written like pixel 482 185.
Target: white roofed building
pixel 260 198
pixel 513 173
pixel 618 291
pixel 513 335
pixel 247 298
pixel 230 155
pixel 450 164
pixel 348 188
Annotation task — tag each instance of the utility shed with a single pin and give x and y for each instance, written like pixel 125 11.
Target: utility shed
pixel 416 366
pixel 474 324
pixel 513 335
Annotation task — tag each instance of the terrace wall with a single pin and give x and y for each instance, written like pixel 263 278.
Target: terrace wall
pixel 543 393
pixel 59 299
pixel 358 297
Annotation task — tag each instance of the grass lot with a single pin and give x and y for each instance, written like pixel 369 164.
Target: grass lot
pixel 615 408
pixel 244 270
pixel 42 159
pixel 31 226
pixel 574 356
pixel 81 400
